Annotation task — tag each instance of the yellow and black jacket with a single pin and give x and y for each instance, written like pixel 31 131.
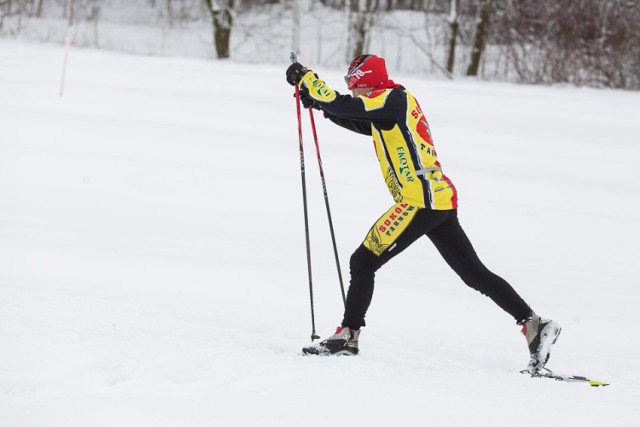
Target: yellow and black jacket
pixel 392 116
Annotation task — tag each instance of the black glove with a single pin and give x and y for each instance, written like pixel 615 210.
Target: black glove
pixel 307 102
pixel 295 73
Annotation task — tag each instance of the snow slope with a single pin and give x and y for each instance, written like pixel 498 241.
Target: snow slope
pixel 152 262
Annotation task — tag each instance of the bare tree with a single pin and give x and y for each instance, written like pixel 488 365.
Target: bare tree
pixel 361 17
pixel 70 12
pixel 582 42
pixel 480 36
pixel 169 6
pixel 222 18
pixel 453 26
pixel 5 10
pixel 38 11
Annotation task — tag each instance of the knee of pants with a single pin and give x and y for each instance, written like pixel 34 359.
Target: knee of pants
pixel 364 261
pixel 474 273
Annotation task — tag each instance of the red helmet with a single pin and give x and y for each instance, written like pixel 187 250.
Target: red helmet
pixel 366 71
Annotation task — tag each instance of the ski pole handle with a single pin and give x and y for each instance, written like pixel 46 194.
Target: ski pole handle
pixel 293 58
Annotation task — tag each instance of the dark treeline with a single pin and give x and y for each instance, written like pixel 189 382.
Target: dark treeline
pixel 583 42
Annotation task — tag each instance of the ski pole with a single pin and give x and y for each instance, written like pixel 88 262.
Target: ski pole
pixel 326 203
pixel 304 202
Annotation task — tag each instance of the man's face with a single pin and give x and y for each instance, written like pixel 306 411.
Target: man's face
pixel 357 91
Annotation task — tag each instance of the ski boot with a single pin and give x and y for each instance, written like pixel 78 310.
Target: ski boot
pixel 343 343
pixel 541 334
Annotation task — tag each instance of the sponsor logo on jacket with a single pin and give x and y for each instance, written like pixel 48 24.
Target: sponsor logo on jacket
pixel 404 169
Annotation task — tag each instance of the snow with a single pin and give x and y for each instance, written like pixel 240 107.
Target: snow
pixel 153 270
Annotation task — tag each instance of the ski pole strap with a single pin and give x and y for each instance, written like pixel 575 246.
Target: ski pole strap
pixel 425 171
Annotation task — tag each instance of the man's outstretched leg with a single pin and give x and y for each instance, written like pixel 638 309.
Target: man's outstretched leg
pixel 454 246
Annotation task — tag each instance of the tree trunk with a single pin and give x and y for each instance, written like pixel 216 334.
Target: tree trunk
pixel 5 9
pixel 222 17
pixel 72 12
pixel 453 25
pixel 38 11
pixel 361 13
pixel 170 13
pixel 480 36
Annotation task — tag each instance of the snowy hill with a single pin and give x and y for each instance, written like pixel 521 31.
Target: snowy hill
pixel 152 262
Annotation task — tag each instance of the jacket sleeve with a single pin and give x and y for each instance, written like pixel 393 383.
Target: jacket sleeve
pixel 383 110
pixel 362 127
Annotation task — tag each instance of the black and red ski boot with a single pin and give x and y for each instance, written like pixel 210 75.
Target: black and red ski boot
pixel 541 335
pixel 343 343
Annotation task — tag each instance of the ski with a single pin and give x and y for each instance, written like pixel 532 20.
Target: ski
pixel 546 373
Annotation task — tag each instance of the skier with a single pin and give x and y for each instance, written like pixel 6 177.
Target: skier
pixel 425 201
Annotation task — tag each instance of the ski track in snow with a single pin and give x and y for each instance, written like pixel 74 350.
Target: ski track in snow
pixel 153 272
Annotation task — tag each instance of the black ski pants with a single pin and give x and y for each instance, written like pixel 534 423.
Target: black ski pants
pixel 444 230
